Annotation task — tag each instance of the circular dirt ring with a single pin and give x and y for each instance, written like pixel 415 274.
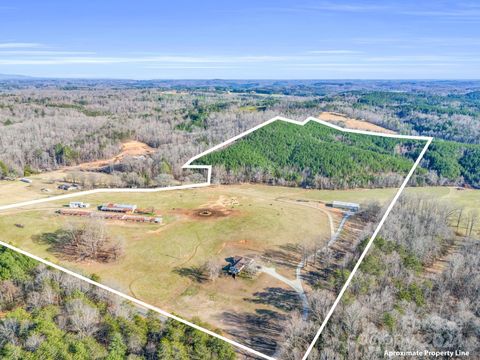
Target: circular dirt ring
pixel 205 212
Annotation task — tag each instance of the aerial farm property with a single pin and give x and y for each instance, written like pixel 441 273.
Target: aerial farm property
pixel 241 257
pixel 221 254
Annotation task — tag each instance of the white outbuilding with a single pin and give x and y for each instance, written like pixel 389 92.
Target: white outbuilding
pixel 78 205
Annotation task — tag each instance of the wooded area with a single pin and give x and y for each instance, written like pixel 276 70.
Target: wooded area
pixel 46 314
pixel 314 156
pixel 49 125
pixel 416 288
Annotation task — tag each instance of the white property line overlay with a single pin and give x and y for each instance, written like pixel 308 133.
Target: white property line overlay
pixel 365 251
pixel 188 165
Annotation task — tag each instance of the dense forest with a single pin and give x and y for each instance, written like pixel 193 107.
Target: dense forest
pixel 315 156
pixel 49 124
pixel 46 314
pixel 448 116
pixel 50 128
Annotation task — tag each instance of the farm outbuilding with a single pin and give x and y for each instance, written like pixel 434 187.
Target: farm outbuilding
pixel 69 187
pixel 111 216
pixel 78 204
pixel 123 208
pixel 346 205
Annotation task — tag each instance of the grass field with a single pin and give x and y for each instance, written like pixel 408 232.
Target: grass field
pixel 260 221
pixel 17 191
pixel 468 199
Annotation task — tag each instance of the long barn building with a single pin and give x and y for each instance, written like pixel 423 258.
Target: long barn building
pixel 121 208
pixel 346 205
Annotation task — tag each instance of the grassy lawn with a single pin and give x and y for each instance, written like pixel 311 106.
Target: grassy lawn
pixel 251 220
pixel 469 199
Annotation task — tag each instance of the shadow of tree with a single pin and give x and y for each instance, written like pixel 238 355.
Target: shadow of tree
pixel 282 299
pixel 287 255
pixel 317 276
pixel 195 273
pixel 55 240
pixel 260 330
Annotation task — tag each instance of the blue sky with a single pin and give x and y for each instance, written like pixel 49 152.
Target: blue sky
pixel 245 39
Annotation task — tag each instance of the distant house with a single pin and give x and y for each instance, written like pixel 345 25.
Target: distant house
pixel 346 205
pixel 123 208
pixel 69 187
pixel 25 180
pixel 78 204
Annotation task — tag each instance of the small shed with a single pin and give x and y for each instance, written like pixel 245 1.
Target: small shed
pixel 69 187
pixel 25 180
pixel 78 204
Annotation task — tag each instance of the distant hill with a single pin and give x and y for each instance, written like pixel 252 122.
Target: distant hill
pixel 315 156
pixel 15 77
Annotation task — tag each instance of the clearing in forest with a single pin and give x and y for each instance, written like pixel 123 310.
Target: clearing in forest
pixel 129 148
pixel 352 123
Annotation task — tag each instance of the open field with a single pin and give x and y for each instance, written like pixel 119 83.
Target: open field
pixel 466 198
pixel 45 184
pixel 161 262
pixel 455 198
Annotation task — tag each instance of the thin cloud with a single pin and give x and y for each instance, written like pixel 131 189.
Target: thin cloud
pixel 335 52
pixel 333 7
pixel 19 45
pixel 345 7
pixel 423 58
pixel 186 67
pixel 43 52
pixel 149 59
pixel 439 10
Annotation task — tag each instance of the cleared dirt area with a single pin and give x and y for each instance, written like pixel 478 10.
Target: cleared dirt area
pixel 129 148
pixel 46 184
pixel 352 123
